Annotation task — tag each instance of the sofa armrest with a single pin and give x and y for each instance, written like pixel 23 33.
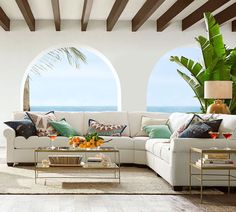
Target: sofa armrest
pixel 184 144
pixel 9 133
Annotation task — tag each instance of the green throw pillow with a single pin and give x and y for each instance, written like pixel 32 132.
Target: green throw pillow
pixel 64 128
pixel 158 131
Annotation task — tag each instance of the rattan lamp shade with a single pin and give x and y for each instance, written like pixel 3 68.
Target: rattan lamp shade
pixel 218 89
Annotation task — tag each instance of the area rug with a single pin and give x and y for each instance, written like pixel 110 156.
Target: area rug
pixel 20 180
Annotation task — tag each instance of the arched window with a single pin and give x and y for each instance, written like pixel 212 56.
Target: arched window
pixel 59 81
pixel 167 90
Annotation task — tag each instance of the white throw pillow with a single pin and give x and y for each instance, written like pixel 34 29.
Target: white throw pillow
pixel 176 120
pixel 146 121
pixel 181 128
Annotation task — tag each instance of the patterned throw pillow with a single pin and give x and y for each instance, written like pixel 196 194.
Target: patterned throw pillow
pixel 23 128
pixel 201 129
pixel 105 129
pixel 181 128
pixel 41 123
pixel 194 119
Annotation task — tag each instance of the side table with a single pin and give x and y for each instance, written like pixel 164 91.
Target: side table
pixel 203 168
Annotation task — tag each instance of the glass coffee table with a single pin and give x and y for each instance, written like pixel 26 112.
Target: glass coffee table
pixel 109 171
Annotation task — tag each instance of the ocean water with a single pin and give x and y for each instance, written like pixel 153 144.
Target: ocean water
pixel 171 109
pixel 167 109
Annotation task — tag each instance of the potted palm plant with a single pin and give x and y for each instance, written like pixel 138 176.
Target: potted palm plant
pixel 218 63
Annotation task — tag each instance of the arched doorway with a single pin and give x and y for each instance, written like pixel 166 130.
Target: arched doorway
pixel 62 86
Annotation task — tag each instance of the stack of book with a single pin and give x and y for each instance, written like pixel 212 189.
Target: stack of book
pixel 215 160
pixel 94 161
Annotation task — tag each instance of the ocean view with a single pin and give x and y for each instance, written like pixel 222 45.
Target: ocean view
pixel 167 109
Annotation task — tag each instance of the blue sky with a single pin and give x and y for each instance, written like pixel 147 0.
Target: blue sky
pixel 166 87
pixel 91 85
pixel 94 84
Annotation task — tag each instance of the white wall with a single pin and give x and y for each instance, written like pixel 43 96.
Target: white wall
pixel 133 55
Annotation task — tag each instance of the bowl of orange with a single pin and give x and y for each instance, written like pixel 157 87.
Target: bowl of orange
pixel 89 141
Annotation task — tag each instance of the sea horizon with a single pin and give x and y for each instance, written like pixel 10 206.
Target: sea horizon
pixel 167 109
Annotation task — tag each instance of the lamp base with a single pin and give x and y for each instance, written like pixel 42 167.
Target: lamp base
pixel 218 107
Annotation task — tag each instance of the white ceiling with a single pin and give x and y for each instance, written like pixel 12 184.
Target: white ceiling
pixel 72 9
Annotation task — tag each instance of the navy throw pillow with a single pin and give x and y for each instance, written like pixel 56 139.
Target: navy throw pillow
pixel 23 128
pixel 201 129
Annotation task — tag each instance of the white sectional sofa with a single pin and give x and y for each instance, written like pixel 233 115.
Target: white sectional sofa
pixel 167 157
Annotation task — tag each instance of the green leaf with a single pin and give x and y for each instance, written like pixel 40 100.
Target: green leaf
pixel 214 35
pixel 197 88
pixel 194 68
pixel 48 61
pixel 207 50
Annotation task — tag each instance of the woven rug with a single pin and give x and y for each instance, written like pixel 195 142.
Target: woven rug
pixel 20 180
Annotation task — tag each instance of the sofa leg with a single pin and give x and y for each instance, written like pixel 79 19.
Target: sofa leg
pixel 10 164
pixel 177 188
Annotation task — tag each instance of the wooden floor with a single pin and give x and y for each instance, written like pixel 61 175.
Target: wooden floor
pixel 114 203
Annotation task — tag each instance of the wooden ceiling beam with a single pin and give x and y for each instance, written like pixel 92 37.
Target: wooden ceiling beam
pixel 86 13
pixel 148 8
pixel 226 14
pixel 197 15
pixel 27 13
pixel 174 10
pixel 234 26
pixel 56 14
pixel 4 20
pixel 115 13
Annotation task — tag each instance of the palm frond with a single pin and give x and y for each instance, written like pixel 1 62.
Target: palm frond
pixel 48 61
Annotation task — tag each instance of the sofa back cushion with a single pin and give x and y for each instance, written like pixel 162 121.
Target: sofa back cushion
pixel 228 124
pixel 135 119
pixel 119 118
pixel 75 119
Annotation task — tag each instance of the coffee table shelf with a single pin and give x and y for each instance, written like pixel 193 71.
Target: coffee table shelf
pixel 113 167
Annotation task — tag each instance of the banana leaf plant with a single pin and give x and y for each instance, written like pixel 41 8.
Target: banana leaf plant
pixel 218 63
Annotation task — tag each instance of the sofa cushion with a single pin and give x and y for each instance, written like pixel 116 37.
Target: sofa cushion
pixel 107 118
pixel 75 119
pixel 35 142
pixel 162 150
pixel 140 142
pixel 136 117
pixel 152 142
pixel 228 124
pixel 122 142
pixel 184 144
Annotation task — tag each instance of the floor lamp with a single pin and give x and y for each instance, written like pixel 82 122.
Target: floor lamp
pixel 218 90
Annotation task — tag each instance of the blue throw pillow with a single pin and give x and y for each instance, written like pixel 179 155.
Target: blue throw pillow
pixel 23 128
